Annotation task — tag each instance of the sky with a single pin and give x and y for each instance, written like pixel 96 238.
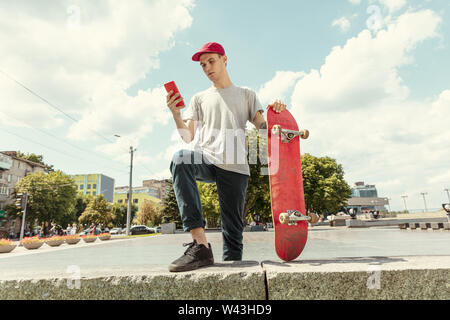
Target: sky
pixel 368 78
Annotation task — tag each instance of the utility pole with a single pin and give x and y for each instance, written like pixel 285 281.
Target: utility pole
pixel 404 200
pixel 424 201
pixel 130 191
pixel 23 205
pixel 448 196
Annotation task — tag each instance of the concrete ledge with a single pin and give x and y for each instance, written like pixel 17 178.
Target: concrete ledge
pixel 224 281
pixel 420 277
pixel 360 278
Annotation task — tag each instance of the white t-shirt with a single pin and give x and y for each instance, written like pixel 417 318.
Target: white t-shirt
pixel 221 116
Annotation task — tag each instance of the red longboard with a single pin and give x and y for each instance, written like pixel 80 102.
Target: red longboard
pixel 286 184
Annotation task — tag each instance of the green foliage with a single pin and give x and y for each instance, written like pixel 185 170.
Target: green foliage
pixel 169 208
pixel 119 212
pixel 210 204
pixel 81 204
pixel 98 211
pixel 35 158
pixel 325 188
pixel 258 191
pixel 51 197
pixel 149 214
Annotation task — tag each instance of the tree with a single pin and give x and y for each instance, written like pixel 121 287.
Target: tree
pixel 119 212
pixel 210 204
pixel 35 158
pixel 150 214
pixel 81 204
pixel 258 191
pixel 98 211
pixel 169 210
pixel 51 197
pixel 325 189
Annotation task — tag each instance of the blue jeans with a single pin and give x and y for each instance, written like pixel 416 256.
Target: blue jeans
pixel 187 167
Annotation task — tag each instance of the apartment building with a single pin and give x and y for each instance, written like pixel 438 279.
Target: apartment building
pixel 95 184
pixel 12 170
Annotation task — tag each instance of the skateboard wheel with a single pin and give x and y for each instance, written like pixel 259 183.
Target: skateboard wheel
pixel 304 134
pixel 284 218
pixel 314 217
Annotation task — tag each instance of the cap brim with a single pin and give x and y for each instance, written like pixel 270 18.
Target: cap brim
pixel 196 57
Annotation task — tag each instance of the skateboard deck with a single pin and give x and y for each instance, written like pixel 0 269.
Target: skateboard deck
pixel 286 184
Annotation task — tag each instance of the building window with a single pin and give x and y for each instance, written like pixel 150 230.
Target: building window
pixel 120 201
pixel 89 186
pixel 135 200
pixel 94 186
pixel 9 178
pixel 81 186
pixel 88 193
pixel 94 193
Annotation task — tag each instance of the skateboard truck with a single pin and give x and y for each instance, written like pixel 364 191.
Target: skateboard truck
pixel 292 216
pixel 287 135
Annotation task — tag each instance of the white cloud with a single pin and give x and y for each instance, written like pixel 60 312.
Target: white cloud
pixel 342 23
pixel 86 69
pixel 393 5
pixel 355 2
pixel 358 110
pixel 277 87
pixel 364 72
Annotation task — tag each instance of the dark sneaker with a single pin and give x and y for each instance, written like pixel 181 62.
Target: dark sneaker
pixel 196 256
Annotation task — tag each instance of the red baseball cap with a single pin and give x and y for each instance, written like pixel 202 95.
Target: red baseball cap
pixel 210 47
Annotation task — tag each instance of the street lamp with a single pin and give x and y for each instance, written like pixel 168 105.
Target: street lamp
pixel 130 188
pixel 404 200
pixel 424 201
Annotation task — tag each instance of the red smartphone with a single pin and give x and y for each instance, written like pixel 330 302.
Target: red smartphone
pixel 171 86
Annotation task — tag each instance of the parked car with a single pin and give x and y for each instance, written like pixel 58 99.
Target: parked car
pixel 156 229
pixel 141 230
pixel 116 231
pixel 89 231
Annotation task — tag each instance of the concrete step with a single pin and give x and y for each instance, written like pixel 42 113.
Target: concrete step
pixel 402 277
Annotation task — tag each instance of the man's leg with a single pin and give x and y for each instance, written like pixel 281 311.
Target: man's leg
pixel 187 167
pixel 232 189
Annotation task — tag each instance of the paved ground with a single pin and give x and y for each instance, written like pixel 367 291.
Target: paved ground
pixel 156 252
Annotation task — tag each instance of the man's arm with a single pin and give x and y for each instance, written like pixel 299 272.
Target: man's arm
pixel 259 121
pixel 186 129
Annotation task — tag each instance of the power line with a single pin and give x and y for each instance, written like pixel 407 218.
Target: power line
pixel 66 142
pixel 52 105
pixel 64 154
pixel 62 112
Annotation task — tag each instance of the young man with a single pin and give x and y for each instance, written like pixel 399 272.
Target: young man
pixel 217 112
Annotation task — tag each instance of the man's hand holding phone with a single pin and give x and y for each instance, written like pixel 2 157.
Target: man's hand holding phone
pixel 172 101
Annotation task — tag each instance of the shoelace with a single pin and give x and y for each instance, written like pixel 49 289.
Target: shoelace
pixel 191 250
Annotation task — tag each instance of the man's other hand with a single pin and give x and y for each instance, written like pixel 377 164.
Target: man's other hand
pixel 277 106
